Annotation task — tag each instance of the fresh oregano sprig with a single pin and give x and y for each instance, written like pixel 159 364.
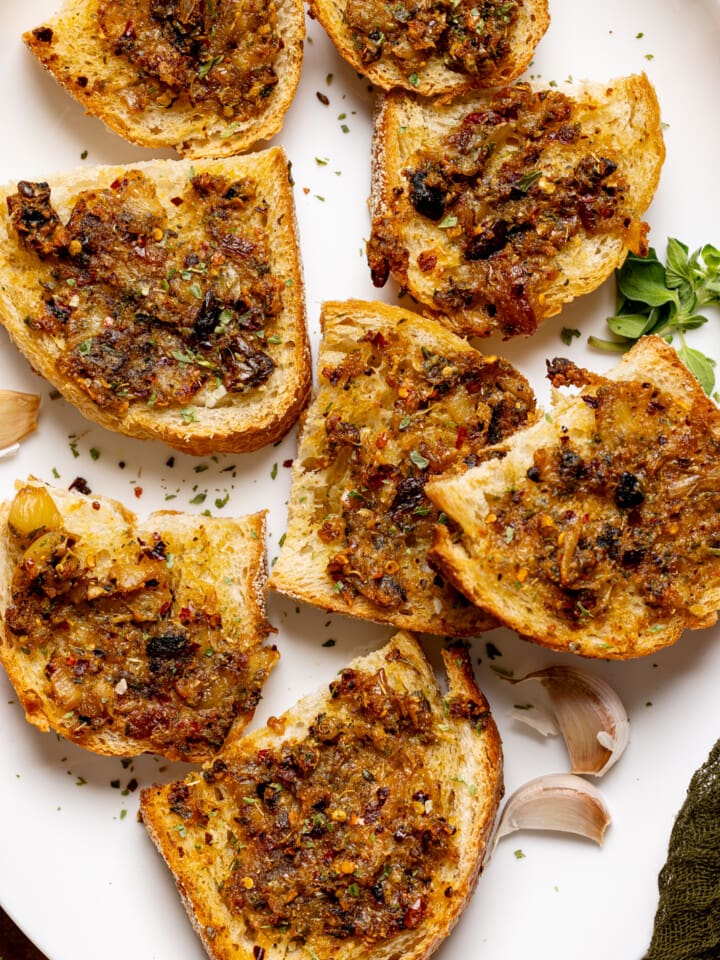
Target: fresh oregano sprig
pixel 665 299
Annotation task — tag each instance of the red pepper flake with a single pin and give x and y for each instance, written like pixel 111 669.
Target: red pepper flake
pixel 426 261
pixel 95 505
pixel 382 440
pixel 138 491
pixel 461 437
pixel 376 339
pixel 288 463
pixel 323 98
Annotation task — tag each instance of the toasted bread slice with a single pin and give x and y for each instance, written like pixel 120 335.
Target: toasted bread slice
pixel 435 48
pixel 497 209
pixel 165 300
pixel 209 79
pixel 599 531
pixel 129 638
pixel 400 399
pixel 352 826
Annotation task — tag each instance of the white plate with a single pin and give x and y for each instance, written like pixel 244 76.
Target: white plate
pixel 77 871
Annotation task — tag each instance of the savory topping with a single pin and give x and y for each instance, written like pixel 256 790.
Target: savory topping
pixel 437 413
pixel 504 202
pixel 338 835
pixel 153 306
pixel 125 648
pixel 214 56
pixel 18 416
pixel 468 37
pixel 589 714
pixel 637 495
pixel 558 801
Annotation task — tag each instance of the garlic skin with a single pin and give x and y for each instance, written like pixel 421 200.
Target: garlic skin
pixel 18 418
pixel 542 720
pixel 588 713
pixel 558 801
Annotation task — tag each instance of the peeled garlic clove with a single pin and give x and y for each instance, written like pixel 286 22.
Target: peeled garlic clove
pixel 18 416
pixel 590 715
pixel 33 511
pixel 558 801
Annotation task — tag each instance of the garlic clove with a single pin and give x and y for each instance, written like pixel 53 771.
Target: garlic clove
pixel 558 801
pixel 537 717
pixel 9 451
pixel 590 715
pixel 18 417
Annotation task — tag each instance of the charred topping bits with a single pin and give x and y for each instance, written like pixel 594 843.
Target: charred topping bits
pixel 442 412
pixel 217 57
pixel 151 306
pixel 638 501
pixel 470 37
pixel 121 651
pixel 488 186
pixel 341 834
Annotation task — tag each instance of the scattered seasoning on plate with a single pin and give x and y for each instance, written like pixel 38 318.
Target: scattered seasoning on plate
pixel 567 335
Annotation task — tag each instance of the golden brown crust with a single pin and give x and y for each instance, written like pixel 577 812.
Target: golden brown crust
pixel 241 420
pixel 72 47
pixel 615 552
pixel 131 642
pixel 226 890
pixel 427 73
pixel 452 257
pixel 400 399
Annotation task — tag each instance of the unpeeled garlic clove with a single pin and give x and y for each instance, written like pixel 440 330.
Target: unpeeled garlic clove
pixel 590 715
pixel 9 451
pixel 537 717
pixel 18 416
pixel 558 801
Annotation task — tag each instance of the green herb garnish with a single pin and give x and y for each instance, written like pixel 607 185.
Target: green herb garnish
pixel 524 182
pixel 206 67
pixel 567 334
pixel 664 299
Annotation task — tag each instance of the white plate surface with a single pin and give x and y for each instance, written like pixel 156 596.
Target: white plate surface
pixel 77 872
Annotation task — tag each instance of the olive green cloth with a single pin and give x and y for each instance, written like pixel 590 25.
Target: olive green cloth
pixel 687 922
